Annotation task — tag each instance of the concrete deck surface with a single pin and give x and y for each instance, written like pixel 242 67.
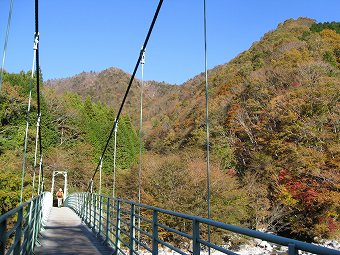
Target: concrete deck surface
pixel 65 234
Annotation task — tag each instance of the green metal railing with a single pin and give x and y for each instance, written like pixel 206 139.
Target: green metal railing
pixel 19 228
pixel 114 221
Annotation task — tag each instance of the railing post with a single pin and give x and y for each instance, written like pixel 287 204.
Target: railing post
pixel 117 241
pixel 100 214
pixel 132 229
pixel 154 232
pixel 292 249
pixel 77 201
pixel 86 206
pixel 38 218
pixel 107 220
pixel 34 223
pixel 18 232
pixel 41 200
pixel 90 209
pixel 3 239
pixel 26 234
pixel 196 247
pixel 83 208
pixel 83 197
pixel 29 227
pixel 94 212
pixel 81 205
pixel 78 204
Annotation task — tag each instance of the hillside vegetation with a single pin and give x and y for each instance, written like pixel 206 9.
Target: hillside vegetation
pixel 74 131
pixel 275 125
pixel 109 87
pixel 275 122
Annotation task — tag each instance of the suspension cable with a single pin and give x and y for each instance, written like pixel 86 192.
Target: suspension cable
pixel 38 140
pixel 28 117
pixel 41 179
pixel 140 144
pixel 114 163
pixel 38 92
pixel 130 84
pixel 141 130
pixel 6 41
pixel 207 116
pixel 35 154
pixel 100 176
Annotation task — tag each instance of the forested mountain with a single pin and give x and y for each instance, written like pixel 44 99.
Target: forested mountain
pixel 274 120
pixel 109 87
pixel 74 132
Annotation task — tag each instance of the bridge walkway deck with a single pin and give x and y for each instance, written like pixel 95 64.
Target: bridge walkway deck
pixel 65 234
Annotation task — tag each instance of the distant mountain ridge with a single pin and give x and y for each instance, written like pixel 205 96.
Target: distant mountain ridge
pixel 109 87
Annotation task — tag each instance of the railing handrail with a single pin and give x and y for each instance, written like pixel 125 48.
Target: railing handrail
pixel 20 237
pixel 296 244
pixel 10 213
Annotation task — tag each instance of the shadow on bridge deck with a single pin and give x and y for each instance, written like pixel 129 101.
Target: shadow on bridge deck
pixel 65 234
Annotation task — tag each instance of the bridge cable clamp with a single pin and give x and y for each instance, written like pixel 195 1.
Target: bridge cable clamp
pixel 36 41
pixel 142 52
pixel 39 119
pixel 116 127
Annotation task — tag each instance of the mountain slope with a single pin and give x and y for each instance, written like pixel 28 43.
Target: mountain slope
pixel 109 87
pixel 74 132
pixel 274 113
pixel 274 119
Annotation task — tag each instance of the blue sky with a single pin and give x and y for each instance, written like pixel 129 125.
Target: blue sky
pixel 85 35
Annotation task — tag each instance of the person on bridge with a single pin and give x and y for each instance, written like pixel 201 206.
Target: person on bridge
pixel 60 196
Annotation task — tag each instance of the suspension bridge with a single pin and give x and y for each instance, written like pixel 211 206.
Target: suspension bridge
pixel 92 223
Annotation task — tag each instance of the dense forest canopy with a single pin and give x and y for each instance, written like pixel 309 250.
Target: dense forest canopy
pixel 318 27
pixel 274 135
